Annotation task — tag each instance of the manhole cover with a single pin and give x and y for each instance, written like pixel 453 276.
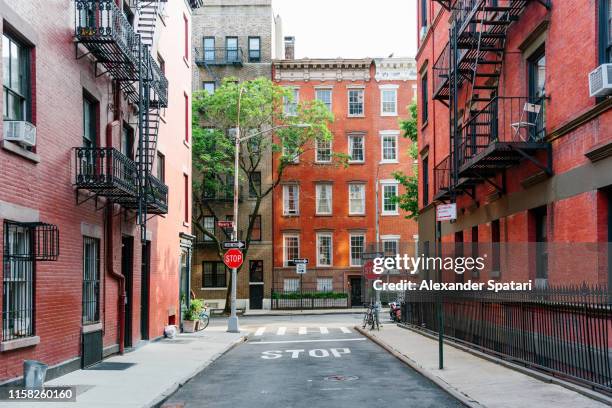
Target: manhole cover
pixel 341 378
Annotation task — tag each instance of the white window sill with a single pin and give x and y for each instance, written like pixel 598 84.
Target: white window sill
pixel 323 214
pixel 223 288
pixel 187 144
pixel 389 162
pixel 356 162
pixel 20 151
pixel 323 162
pixel 186 224
pixel 291 215
pixel 390 214
pixel 389 114
pixel 356 116
pixel 19 343
pixel 256 283
pixel 186 62
pixel 324 266
pixel 357 214
pixel 88 328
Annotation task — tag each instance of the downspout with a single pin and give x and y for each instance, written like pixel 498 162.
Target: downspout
pixel 110 269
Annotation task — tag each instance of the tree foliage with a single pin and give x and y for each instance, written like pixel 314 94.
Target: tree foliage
pixel 409 200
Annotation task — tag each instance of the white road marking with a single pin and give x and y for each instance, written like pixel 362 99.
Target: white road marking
pixel 324 330
pixel 307 341
pixel 281 331
pixel 302 330
pixel 260 331
pixel 345 330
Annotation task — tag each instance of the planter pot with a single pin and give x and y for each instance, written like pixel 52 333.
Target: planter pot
pixel 189 326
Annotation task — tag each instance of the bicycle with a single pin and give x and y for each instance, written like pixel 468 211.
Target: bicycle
pixel 203 319
pixel 370 318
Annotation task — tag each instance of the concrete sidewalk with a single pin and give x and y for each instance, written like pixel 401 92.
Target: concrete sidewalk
pixel 159 369
pixel 475 381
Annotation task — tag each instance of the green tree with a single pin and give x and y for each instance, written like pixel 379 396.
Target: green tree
pixel 215 117
pixel 409 200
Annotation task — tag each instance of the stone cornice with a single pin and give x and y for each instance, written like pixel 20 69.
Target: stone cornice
pixel 322 70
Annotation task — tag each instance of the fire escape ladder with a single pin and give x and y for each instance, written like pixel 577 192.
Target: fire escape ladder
pixel 147 20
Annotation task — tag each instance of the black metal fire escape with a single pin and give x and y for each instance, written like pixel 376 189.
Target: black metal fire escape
pixel 488 132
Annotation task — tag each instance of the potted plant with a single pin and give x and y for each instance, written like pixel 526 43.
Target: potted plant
pixel 192 315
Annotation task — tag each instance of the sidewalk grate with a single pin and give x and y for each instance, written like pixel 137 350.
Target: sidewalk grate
pixel 110 366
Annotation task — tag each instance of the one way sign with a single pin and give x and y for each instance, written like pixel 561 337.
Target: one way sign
pixel 234 244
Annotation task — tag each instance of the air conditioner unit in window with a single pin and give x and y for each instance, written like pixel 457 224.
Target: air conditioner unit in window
pixel 600 81
pixel 20 131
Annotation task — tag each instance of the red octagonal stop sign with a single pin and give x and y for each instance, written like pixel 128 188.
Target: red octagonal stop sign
pixel 233 258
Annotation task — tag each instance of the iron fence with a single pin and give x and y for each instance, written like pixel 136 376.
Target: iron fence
pixel 310 299
pixel 564 331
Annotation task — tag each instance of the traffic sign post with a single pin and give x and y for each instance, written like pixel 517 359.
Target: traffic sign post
pixel 233 258
pixel 234 244
pixel 300 268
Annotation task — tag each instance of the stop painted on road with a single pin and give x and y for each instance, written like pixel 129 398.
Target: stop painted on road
pixel 316 353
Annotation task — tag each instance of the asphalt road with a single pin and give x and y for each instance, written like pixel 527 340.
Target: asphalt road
pixel 308 361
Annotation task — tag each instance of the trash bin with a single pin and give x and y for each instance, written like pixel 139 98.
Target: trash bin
pixel 34 373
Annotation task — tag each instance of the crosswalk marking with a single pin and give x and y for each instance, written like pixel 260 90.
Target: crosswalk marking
pixel 281 331
pixel 302 330
pixel 345 330
pixel 260 331
pixel 324 330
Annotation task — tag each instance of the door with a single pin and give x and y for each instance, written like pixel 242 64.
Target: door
pixel 609 241
pixel 127 262
pixel 145 274
pixel 184 289
pixel 541 247
pixel 356 291
pixel 256 284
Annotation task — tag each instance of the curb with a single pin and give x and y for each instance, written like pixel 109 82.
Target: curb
pixel 159 400
pixel 452 391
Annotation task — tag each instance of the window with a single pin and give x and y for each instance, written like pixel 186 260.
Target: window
pixel 325 96
pixel 18 282
pixel 325 284
pixel 356 148
pixel 291 248
pixel 424 99
pixel 357 247
pixel 324 249
pixel 89 122
pixel 231 49
pixel 390 246
pixel 323 151
pixel 187 122
pixel 389 146
pixel 537 90
pixel 423 13
pixel 91 280
pixel 388 102
pixel 291 199
pixel 254 49
pixel 256 271
pixel 605 31
pixel 255 184
pixel 291 104
pixel 425 181
pixel 209 225
pixel 209 49
pixel 161 63
pixel 161 167
pixel 127 140
pixel 356 199
pixel 209 87
pixel 186 34
pixel 16 80
pixel 127 12
pixel 355 97
pixel 256 233
pixel 324 199
pixel 213 274
pixel 389 203
pixel 495 238
pixel 186 179
pixel 291 285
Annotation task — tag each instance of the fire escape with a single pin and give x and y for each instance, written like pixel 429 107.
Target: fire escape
pixel 125 55
pixel 489 132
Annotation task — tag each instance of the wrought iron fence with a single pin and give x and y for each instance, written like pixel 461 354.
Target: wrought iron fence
pixel 309 299
pixel 564 331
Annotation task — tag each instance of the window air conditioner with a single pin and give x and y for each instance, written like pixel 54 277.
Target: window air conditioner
pixel 20 131
pixel 600 81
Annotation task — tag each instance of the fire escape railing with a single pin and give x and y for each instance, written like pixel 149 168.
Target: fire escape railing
pixel 107 171
pixel 442 177
pixel 220 56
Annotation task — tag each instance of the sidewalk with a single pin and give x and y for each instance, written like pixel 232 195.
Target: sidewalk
pixel 304 312
pixel 473 380
pixel 159 369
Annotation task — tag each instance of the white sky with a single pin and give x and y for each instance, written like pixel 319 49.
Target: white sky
pixel 350 28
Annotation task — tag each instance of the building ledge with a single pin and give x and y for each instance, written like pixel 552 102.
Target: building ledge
pixel 20 151
pixel 91 328
pixel 19 343
pixel 599 152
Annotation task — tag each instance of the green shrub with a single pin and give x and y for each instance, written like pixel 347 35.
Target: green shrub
pixel 195 308
pixel 309 295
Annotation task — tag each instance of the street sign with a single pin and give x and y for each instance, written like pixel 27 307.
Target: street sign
pixel 234 244
pixel 368 269
pixel 446 212
pixel 300 261
pixel 300 268
pixel 233 258
pixel 372 255
pixel 225 224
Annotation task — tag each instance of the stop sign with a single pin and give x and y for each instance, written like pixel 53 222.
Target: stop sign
pixel 368 269
pixel 233 258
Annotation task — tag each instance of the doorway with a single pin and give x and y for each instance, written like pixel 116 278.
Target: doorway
pixel 184 282
pixel 356 299
pixel 256 284
pixel 541 237
pixel 145 276
pixel 127 264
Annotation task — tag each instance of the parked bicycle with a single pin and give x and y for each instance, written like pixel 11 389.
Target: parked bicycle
pixel 370 317
pixel 203 319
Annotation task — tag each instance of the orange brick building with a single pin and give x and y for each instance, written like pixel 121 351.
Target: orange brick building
pixel 330 214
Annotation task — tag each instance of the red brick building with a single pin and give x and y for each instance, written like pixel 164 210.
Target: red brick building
pixel 508 131
pixel 82 277
pixel 330 214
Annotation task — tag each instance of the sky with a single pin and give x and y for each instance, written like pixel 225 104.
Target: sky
pixel 350 28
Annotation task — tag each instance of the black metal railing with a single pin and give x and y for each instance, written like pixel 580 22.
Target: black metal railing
pixel 157 195
pixel 159 83
pixel 564 331
pixel 203 239
pixel 105 170
pixel 309 299
pixel 441 71
pixel 442 176
pixel 221 56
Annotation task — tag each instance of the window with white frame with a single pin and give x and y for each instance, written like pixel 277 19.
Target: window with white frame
pixel 291 199
pixel 325 96
pixel 357 246
pixel 388 145
pixel 356 148
pixel 291 285
pixel 291 104
pixel 389 194
pixel 355 99
pixel 323 151
pixel 356 199
pixel 324 198
pixel 291 247
pixel 390 246
pixel 325 284
pixel 209 225
pixel 388 102
pixel 324 249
